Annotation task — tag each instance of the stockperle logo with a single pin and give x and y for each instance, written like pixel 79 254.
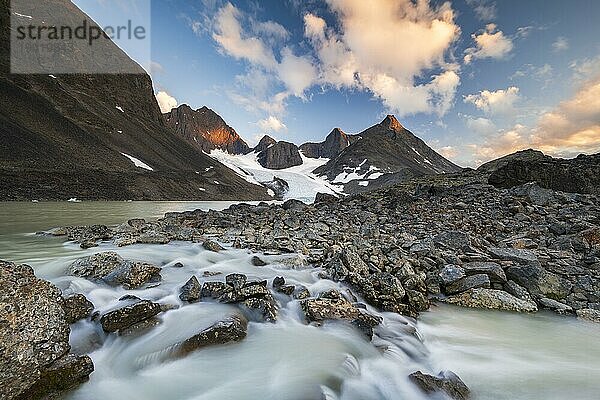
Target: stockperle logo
pixel 82 36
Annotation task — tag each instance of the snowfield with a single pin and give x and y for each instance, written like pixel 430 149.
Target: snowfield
pixel 304 185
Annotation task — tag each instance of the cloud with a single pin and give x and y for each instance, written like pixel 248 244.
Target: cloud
pixel 271 124
pixel 489 43
pixel 561 44
pixel 448 151
pixel 234 42
pixel 166 102
pixel 485 10
pixel 571 128
pixel 497 102
pixel 480 126
pixel 297 73
pixel 360 53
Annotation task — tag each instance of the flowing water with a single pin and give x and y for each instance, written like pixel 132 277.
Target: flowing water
pixel 499 355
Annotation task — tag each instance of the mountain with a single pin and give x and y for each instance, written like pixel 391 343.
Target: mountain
pixel 529 155
pixel 280 155
pixel 334 143
pixel 381 155
pixel 205 130
pixel 97 136
pixel 264 143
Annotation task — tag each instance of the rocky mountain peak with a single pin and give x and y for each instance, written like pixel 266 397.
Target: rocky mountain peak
pixel 390 122
pixel 264 143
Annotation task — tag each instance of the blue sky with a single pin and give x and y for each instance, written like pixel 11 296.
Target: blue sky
pixel 475 79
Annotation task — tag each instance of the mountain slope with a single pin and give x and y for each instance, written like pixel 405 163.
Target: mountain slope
pixel 78 136
pixel 205 130
pixel 333 144
pixel 383 154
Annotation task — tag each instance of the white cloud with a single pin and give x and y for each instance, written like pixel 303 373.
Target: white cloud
pixel 490 43
pixel 271 124
pixel 297 73
pixel 497 102
pixel 236 43
pixel 485 10
pixel 166 102
pixel 480 126
pixel 361 54
pixel 560 44
pixel 571 128
pixel 448 151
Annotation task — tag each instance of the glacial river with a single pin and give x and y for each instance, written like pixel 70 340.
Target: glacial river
pixel 499 355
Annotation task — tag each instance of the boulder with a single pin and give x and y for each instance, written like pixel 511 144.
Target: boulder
pixel 212 246
pixel 190 292
pixel 521 256
pixel 129 315
pixel 491 299
pixel 152 237
pixel 77 307
pixel 556 306
pixel 34 355
pixel 318 310
pixel 229 330
pixel 468 282
pixel 589 314
pixel 215 290
pixel 280 155
pixel 450 274
pixel 325 198
pixel 453 240
pixel 493 270
pixel 447 383
pixel 263 309
pixel 257 261
pixel 539 282
pixel 96 266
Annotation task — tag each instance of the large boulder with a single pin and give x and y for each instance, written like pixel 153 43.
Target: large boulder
pixel 447 383
pixel 469 282
pixel 34 355
pixel 539 282
pixel 492 299
pixel 190 292
pixel 129 315
pixel 493 270
pixel 114 270
pixel 77 307
pixel 230 329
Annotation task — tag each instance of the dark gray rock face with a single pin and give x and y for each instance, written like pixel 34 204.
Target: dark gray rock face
pixel 539 282
pixel 579 175
pixel 450 274
pixel 190 292
pixel 279 187
pixel 114 270
pixel 129 315
pixel 77 307
pixel 447 383
pixel 334 143
pixel 34 356
pixel 280 155
pixel 264 143
pixel 232 329
pixel 205 130
pixel 493 270
pixel 469 282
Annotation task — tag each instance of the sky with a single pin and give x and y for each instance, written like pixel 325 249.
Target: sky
pixel 475 79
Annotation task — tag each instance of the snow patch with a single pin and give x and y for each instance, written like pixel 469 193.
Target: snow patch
pixel 138 163
pixel 202 189
pixel 52 76
pixel 352 174
pixel 363 183
pixel 23 15
pixel 303 184
pixel 74 200
pixel 120 108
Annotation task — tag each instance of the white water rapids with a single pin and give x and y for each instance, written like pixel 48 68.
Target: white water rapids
pixel 499 355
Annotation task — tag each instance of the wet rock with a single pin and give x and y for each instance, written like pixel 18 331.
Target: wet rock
pixel 236 281
pixel 137 223
pixel 229 330
pixel 257 261
pixel 554 305
pixel 77 307
pixel 417 300
pixel 212 246
pixel 365 324
pixel 133 275
pixel 468 282
pixel 280 286
pixel 35 337
pixel 301 293
pixel 517 290
pixel 263 309
pixel 190 292
pixel 96 266
pixel 215 290
pixel 539 282
pixel 493 270
pixel 152 237
pixel 491 299
pixel 589 314
pixel 139 328
pixel 318 310
pixel 447 383
pixel 65 373
pixel 450 274
pixel 177 265
pixel 129 315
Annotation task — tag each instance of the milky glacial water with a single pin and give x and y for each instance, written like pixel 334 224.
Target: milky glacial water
pixel 499 355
